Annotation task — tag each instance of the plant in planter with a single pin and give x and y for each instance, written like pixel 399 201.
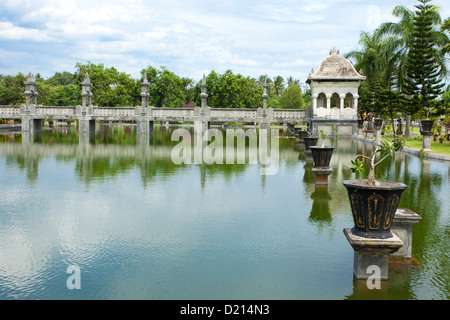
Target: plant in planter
pixel 373 202
pixel 310 141
pixel 427 123
pixel 322 155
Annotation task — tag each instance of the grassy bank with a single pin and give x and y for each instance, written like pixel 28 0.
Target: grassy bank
pixel 436 147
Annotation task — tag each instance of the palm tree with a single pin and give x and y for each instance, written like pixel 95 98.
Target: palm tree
pixel 278 83
pixel 368 58
pixel 378 61
pixel 291 80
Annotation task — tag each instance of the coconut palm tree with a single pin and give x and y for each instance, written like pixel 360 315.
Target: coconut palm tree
pixel 278 83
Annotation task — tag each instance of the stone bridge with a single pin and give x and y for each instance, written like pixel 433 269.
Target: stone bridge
pixel 334 103
pixel 32 115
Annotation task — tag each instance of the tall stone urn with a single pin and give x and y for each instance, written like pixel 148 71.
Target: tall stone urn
pixel 309 142
pixel 373 207
pixel 427 127
pixel 321 157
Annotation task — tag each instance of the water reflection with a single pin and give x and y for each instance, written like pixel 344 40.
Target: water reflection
pixel 112 151
pixel 243 236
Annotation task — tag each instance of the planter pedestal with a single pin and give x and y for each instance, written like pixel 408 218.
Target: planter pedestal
pixel 360 132
pixel 426 143
pixel 309 142
pixel 402 224
pixel 369 134
pixel 322 175
pixel 370 252
pixel 427 133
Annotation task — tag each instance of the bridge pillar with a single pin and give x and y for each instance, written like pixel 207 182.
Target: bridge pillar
pixel 30 124
pixel 144 126
pixel 86 125
pixel 201 126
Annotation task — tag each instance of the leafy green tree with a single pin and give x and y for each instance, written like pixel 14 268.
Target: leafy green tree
pixel 424 79
pixel 61 78
pixel 167 90
pixel 66 95
pixel 12 89
pixel 231 91
pixel 110 88
pixel 292 98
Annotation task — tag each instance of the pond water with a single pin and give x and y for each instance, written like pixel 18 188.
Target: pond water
pixel 139 226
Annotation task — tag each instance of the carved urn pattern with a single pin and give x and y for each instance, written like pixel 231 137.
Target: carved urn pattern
pixel 373 208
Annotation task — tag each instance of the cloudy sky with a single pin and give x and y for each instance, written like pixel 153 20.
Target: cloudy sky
pixel 189 37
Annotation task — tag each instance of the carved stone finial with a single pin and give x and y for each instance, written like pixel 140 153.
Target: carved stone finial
pixel 145 78
pixel 86 78
pixel 334 51
pixel 31 77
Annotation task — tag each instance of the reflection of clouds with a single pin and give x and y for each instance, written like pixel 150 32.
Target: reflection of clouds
pixel 23 260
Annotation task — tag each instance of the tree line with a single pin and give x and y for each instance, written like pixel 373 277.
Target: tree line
pixel 112 88
pixel 405 63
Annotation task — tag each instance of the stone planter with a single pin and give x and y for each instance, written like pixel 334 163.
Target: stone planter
pixel 427 127
pixel 321 156
pixel 378 123
pixel 309 142
pixel 373 207
pixel 302 134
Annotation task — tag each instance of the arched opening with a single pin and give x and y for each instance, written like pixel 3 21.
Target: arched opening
pixel 349 101
pixel 335 101
pixel 321 100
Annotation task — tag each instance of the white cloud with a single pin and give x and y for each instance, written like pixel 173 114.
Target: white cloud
pixel 10 31
pixel 187 37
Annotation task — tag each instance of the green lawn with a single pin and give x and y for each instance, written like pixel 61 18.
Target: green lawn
pixel 436 147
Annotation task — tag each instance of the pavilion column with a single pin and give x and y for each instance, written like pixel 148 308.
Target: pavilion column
pixel 355 102
pixel 328 96
pixel 342 104
pixel 314 103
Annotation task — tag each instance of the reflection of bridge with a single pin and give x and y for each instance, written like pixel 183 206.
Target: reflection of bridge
pixel 32 115
pixel 145 155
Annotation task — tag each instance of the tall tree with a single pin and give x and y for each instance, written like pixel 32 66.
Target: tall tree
pixel 370 60
pixel 278 83
pixel 423 82
pixel 292 98
pixel 445 28
pixel 231 90
pixel 12 89
pixel 110 87
pixel 403 34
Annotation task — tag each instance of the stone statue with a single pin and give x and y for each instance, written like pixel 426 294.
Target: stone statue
pixel 399 126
